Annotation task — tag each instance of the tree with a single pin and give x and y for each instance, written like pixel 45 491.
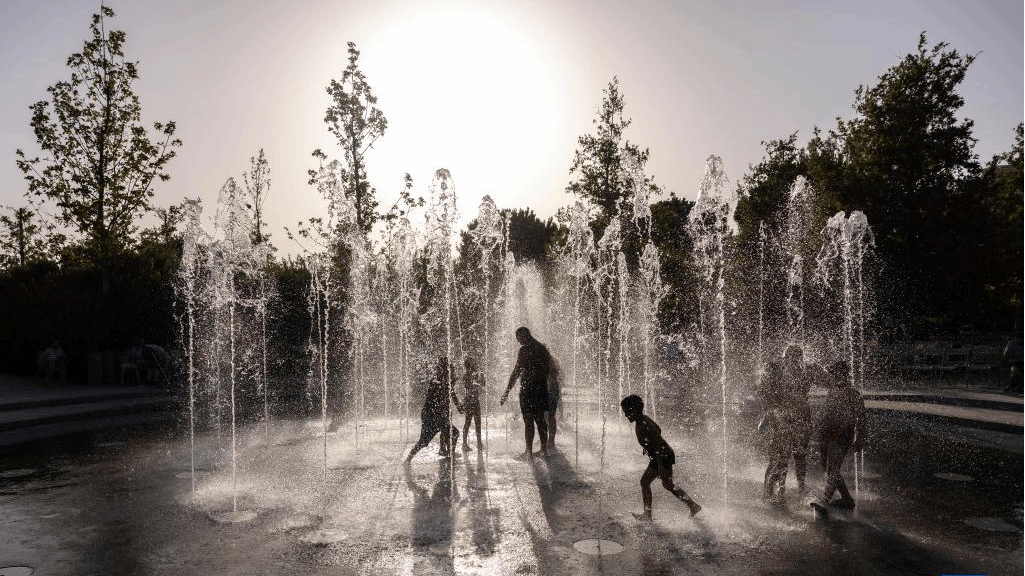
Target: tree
pixel 908 160
pixel 356 122
pixel 606 167
pixel 99 163
pixel 763 190
pixel 20 240
pixel 257 186
pixel 668 218
pixel 166 230
pixel 601 161
pixel 995 207
pixel 529 236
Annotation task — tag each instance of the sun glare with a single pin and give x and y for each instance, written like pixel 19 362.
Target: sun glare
pixel 475 91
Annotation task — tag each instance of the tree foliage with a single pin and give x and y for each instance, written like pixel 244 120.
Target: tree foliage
pixel 166 230
pixel 668 218
pixel 908 157
pixel 907 160
pixel 99 163
pixel 602 162
pixel 356 123
pixel 21 239
pixel 256 182
pixel 529 236
pixel 608 171
pixel 998 265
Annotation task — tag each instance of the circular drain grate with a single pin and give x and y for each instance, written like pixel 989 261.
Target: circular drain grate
pixel 953 477
pixel 991 524
pixel 594 547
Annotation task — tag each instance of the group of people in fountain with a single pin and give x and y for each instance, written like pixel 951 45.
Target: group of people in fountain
pixel 538 374
pixel 786 419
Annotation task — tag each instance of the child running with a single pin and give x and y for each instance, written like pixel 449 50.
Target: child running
pixel 434 417
pixel 649 435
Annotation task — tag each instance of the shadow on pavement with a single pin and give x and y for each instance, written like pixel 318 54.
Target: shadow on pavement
pixel 483 518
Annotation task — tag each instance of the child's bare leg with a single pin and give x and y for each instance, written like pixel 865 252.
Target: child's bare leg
pixel 444 439
pixel 776 474
pixel 840 452
pixel 650 473
pixel 466 428
pixel 476 422
pixel 846 501
pixel 801 466
pixel 426 434
pixel 667 483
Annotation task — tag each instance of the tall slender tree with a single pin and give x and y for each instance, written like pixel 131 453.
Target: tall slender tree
pixel 21 241
pixel 600 171
pixel 356 122
pixel 256 182
pixel 605 168
pixel 99 163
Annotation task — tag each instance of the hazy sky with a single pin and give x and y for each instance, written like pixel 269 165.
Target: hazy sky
pixel 497 91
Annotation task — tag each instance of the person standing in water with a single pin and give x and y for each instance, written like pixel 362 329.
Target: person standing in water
pixel 787 415
pixel 473 387
pixel 662 457
pixel 533 364
pixel 434 417
pixel 841 429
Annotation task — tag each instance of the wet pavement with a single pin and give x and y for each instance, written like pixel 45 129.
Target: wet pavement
pixel 930 501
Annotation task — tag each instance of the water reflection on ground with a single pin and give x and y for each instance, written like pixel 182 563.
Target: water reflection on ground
pixel 130 508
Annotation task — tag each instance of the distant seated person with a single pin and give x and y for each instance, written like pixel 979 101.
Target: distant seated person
pixel 53 363
pixel 132 361
pixel 1013 356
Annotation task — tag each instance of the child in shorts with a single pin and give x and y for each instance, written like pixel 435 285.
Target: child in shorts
pixel 649 435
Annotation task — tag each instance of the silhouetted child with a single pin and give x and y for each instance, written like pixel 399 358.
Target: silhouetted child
pixel 434 417
pixel 473 387
pixel 841 428
pixel 649 435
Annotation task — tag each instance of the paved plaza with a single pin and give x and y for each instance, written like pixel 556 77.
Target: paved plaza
pixel 934 497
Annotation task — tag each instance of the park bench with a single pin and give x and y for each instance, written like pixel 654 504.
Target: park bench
pixel 956 357
pixel 983 360
pixel 925 358
pixel 949 360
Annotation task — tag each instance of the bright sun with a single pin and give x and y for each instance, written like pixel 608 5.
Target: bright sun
pixel 465 88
